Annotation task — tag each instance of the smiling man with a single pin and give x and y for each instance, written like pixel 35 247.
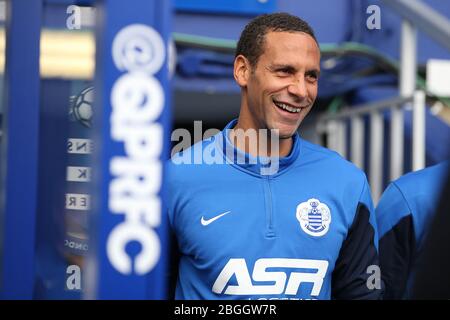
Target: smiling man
pixel 303 231
pixel 279 85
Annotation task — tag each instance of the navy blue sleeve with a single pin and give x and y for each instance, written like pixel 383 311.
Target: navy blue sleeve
pixel 432 279
pixel 357 254
pixel 397 249
pixel 397 241
pixel 174 259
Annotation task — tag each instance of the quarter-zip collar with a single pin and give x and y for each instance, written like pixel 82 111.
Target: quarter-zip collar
pixel 263 166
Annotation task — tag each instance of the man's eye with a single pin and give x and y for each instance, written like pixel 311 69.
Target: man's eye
pixel 312 76
pixel 283 72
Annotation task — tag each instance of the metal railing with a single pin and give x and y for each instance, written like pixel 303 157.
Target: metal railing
pixel 416 15
pixel 336 127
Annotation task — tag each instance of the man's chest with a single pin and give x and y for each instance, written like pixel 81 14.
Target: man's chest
pixel 262 218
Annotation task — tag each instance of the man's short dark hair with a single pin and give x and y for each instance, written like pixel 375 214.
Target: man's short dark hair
pixel 251 42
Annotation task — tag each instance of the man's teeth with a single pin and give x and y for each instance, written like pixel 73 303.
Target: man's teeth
pixel 287 108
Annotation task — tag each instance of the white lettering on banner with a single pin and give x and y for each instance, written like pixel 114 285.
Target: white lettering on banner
pixel 76 245
pixel 79 146
pixel 78 201
pixel 78 174
pixel 238 268
pixel 137 101
pixel 138 47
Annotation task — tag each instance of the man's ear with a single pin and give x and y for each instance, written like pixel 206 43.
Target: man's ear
pixel 241 70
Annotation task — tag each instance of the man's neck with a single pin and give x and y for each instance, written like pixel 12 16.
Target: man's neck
pixel 257 143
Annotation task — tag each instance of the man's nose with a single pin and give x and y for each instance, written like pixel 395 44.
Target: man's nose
pixel 298 88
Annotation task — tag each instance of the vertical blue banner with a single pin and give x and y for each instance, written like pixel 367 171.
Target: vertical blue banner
pixel 20 148
pixel 129 250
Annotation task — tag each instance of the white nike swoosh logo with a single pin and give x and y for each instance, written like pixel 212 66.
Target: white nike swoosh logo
pixel 206 222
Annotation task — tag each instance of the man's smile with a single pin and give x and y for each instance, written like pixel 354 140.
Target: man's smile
pixel 289 107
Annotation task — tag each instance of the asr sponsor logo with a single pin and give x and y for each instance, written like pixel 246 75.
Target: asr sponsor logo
pixel 271 276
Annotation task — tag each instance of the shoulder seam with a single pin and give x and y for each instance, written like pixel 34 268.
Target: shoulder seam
pixel 403 196
pixel 363 187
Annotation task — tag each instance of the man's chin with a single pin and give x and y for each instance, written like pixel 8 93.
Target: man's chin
pixel 282 129
pixel 287 135
pixel 283 133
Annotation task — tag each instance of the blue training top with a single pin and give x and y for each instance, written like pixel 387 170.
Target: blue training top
pixel 404 214
pixel 306 231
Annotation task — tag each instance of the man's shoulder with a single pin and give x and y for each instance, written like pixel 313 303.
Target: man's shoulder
pixel 192 162
pixel 421 189
pixel 330 160
pixel 430 177
pixel 194 153
pixel 414 194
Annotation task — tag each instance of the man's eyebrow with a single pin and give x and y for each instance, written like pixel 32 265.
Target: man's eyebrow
pixel 291 68
pixel 313 71
pixel 282 66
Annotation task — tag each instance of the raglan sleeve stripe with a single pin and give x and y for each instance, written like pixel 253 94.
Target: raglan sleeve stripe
pixel 357 274
pixel 397 241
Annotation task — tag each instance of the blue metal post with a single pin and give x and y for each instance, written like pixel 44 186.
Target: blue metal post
pixel 20 148
pixel 128 243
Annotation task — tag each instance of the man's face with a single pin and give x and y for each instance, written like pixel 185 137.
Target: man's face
pixel 282 87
